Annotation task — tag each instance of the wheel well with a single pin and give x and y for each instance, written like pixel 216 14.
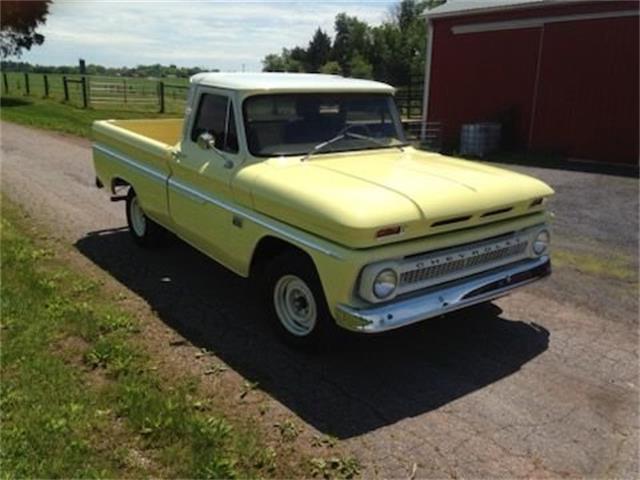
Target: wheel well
pixel 118 182
pixel 269 247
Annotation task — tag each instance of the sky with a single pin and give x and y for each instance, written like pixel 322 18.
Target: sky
pixel 226 35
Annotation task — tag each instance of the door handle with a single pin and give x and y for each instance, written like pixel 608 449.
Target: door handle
pixel 177 156
pixel 228 164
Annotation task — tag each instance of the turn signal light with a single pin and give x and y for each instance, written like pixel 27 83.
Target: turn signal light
pixel 385 232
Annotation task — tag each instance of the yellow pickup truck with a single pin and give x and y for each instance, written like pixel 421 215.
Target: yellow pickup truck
pixel 307 183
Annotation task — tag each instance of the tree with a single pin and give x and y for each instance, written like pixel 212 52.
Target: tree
pixel 273 63
pixel 360 67
pixel 393 52
pixel 331 68
pixel 400 42
pixel 297 60
pixel 18 23
pixel 318 51
pixel 352 38
pixel 283 62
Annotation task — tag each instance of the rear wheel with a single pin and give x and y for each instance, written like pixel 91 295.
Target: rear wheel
pixel 296 303
pixel 145 232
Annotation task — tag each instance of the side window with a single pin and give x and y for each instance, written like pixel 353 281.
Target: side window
pixel 215 116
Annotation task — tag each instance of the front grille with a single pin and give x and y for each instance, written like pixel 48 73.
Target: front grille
pixel 454 266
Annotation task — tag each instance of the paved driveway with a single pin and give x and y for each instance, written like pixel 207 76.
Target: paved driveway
pixel 542 383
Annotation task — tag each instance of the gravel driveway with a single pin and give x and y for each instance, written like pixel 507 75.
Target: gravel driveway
pixel 541 383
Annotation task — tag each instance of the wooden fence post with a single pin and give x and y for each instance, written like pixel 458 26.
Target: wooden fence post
pixel 27 90
pixel 124 90
pixel 85 98
pixel 65 88
pixel 5 82
pixel 46 85
pixel 161 95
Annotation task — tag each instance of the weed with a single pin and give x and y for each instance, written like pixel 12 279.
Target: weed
pixel 288 429
pixel 215 369
pixel 323 441
pixel 248 387
pixel 616 266
pixel 335 467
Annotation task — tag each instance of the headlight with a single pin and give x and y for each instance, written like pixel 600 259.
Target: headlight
pixel 385 283
pixel 541 242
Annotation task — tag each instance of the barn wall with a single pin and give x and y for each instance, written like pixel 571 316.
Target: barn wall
pixel 581 78
pixel 484 77
pixel 587 104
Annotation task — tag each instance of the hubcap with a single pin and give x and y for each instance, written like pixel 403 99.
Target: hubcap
pixel 295 305
pixel 138 220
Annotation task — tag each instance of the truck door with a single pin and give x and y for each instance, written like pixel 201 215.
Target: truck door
pixel 200 185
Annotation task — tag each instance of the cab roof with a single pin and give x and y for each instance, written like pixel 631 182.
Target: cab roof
pixel 289 82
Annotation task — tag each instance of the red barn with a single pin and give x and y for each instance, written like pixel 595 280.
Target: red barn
pixel 560 76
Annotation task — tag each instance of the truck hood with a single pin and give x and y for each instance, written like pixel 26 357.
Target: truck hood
pixel 349 198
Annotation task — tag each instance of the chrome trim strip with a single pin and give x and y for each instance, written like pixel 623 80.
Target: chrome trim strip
pixel 438 301
pixel 277 228
pixel 157 175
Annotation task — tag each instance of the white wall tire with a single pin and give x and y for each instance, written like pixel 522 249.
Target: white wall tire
pixel 144 231
pixel 138 218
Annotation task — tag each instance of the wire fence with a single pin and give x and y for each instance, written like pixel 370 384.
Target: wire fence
pixel 148 94
pixel 100 92
pixel 409 98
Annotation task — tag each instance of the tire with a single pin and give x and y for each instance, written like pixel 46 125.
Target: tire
pixel 144 231
pixel 295 300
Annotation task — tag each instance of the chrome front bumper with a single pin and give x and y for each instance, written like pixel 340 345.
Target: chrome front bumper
pixel 443 299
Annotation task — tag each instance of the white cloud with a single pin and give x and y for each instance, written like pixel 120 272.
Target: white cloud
pixel 212 34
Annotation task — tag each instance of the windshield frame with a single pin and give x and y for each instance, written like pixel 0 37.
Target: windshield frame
pixel 393 110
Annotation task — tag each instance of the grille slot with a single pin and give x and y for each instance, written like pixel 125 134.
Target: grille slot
pixel 449 221
pixel 497 212
pixel 440 270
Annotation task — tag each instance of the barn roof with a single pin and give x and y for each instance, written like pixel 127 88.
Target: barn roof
pixel 470 7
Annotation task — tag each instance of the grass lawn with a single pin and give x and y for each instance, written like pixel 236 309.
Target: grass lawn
pixel 80 398
pixel 61 117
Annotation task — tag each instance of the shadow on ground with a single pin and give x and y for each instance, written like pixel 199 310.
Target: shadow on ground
pixel 561 163
pixel 552 161
pixel 363 384
pixel 6 102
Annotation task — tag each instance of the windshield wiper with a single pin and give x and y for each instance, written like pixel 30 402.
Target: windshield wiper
pixel 341 136
pixel 374 140
pixel 321 145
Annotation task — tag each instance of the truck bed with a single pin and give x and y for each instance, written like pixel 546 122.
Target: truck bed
pixel 137 153
pixel 166 131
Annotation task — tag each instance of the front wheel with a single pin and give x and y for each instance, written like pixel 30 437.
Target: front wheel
pixel 145 232
pixel 296 302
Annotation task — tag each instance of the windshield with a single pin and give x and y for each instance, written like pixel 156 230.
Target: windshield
pixel 293 124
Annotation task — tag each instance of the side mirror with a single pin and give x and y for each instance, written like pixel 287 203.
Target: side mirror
pixel 206 141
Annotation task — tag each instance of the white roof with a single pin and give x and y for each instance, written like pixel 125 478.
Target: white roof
pixel 468 7
pixel 289 82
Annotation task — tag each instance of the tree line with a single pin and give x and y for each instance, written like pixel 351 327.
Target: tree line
pixel 392 52
pixel 143 71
